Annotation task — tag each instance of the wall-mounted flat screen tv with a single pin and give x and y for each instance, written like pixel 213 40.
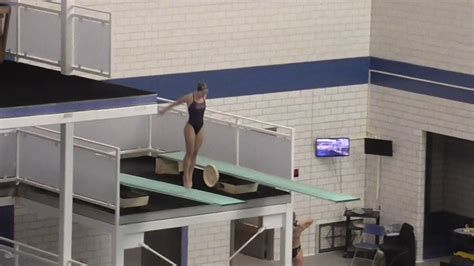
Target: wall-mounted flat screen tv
pixel 332 147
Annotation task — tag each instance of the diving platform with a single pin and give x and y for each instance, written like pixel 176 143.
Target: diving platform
pixel 263 178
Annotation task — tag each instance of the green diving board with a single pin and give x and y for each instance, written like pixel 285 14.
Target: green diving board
pixel 176 191
pixel 262 178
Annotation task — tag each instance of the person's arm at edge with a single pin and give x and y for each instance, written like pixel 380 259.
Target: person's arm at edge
pixel 305 224
pixel 184 99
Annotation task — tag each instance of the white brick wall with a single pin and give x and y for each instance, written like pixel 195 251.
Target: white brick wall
pixel 174 36
pixel 437 34
pixel 89 245
pixel 209 244
pixel 331 112
pixel 404 117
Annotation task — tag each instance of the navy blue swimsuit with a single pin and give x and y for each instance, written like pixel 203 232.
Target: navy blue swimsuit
pixel 196 115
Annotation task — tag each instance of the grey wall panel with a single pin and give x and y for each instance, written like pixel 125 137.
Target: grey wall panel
pixel 219 140
pixel 12 33
pixel 167 133
pixel 92 44
pixel 7 154
pixel 40 34
pixel 125 133
pixel 266 153
pixel 94 174
pixel 39 159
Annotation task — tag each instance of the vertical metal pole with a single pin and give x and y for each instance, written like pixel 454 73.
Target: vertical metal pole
pixel 110 46
pixel 237 142
pixel 288 222
pixel 286 239
pixel 17 255
pixel 292 139
pixel 232 240
pixel 292 175
pixel 118 251
pixel 66 37
pixel 150 133
pixel 379 169
pixel 17 154
pixel 18 26
pixel 65 194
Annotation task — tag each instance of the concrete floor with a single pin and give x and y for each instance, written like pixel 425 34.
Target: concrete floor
pixel 326 259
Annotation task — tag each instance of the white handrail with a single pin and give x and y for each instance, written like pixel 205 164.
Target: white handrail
pixel 50 10
pixel 33 58
pixel 76 196
pixel 16 243
pixel 93 10
pixel 52 2
pixel 422 80
pixel 105 21
pixel 8 253
pixel 234 116
pixel 104 153
pixel 27 246
pixel 8 179
pixel 236 125
pixel 143 245
pixel 80 138
pixel 259 231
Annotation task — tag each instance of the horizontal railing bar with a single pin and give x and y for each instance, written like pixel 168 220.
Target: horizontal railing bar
pixel 75 145
pixel 91 9
pixel 233 115
pixel 92 72
pixel 80 197
pixel 81 138
pixel 423 80
pixel 34 58
pixel 105 21
pixel 57 12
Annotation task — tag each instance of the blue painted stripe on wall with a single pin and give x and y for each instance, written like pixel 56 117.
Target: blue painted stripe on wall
pixel 76 106
pixel 257 80
pixel 300 76
pixel 422 72
pixel 423 88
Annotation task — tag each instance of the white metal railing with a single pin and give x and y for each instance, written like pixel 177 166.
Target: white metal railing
pixel 57 140
pixel 104 21
pixel 18 51
pixel 238 120
pixel 145 246
pixel 419 79
pixel 76 196
pixel 259 231
pixel 47 257
pixel 27 180
pixel 93 15
pixel 240 123
pixel 79 138
pixel 28 6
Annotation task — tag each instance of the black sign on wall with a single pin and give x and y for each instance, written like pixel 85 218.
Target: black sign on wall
pixel 378 147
